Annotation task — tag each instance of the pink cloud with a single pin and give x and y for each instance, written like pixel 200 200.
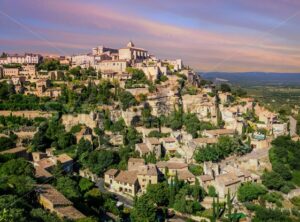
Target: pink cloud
pixel 201 49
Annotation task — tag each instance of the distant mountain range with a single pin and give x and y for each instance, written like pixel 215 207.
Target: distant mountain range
pixel 254 78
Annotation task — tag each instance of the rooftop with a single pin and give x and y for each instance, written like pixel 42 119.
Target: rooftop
pixel 143 148
pixel 185 174
pixel 218 132
pixel 63 158
pixel 150 170
pixel 50 193
pixel 127 177
pixel 136 160
pixel 153 140
pixel 206 177
pixel 69 212
pixel 112 172
pixel 171 165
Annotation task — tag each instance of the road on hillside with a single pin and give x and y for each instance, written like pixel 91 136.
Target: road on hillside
pixel 126 201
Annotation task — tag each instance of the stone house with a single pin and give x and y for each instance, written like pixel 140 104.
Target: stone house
pixel 9 72
pixel 42 161
pixel 55 202
pixel 154 145
pixel 109 177
pixel 86 173
pixel 126 182
pixel 135 163
pixel 218 132
pixel 170 145
pixel 53 92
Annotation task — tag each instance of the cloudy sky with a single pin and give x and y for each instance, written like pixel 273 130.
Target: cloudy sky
pixel 209 35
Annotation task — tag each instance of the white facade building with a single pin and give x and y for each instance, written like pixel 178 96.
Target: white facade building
pixel 27 58
pixel 83 60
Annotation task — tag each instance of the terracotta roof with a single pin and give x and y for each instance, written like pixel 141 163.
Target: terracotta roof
pixel 171 165
pixel 143 148
pixel 153 140
pixel 112 172
pixel 69 212
pixel 169 140
pixel 217 132
pixel 127 177
pixel 150 170
pixel 50 193
pixel 227 179
pixel 136 160
pixel 185 174
pixel 63 158
pixel 42 173
pixel 46 163
pixel 206 177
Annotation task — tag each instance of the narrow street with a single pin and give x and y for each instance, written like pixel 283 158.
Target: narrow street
pixel 126 201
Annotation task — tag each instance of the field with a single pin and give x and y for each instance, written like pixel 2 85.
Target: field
pixel 276 97
pixel 277 91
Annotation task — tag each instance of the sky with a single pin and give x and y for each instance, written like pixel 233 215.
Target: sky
pixel 208 35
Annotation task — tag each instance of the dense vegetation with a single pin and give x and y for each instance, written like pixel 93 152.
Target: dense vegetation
pixel 223 148
pixel 161 196
pixel 284 156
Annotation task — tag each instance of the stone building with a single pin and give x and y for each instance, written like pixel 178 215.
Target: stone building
pixel 130 52
pixel 52 200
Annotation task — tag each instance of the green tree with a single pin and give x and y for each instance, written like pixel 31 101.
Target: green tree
pixel 12 215
pixel 250 191
pixel 17 167
pixel 272 180
pixel 85 185
pixel 68 187
pixel 42 215
pixel 192 124
pixel 65 140
pixel 6 143
pixel 158 193
pixel 99 161
pixel 127 100
pixel 143 210
pixel 225 87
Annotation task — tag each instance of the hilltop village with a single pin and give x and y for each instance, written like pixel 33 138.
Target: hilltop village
pixel 121 135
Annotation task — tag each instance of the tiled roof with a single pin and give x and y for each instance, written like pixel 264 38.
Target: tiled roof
pixel 169 140
pixel 143 148
pixel 136 160
pixel 46 163
pixel 50 193
pixel 69 212
pixel 112 172
pixel 153 140
pixel 127 177
pixel 185 174
pixel 42 173
pixel 227 179
pixel 206 177
pixel 220 131
pixel 171 165
pixel 63 158
pixel 150 170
